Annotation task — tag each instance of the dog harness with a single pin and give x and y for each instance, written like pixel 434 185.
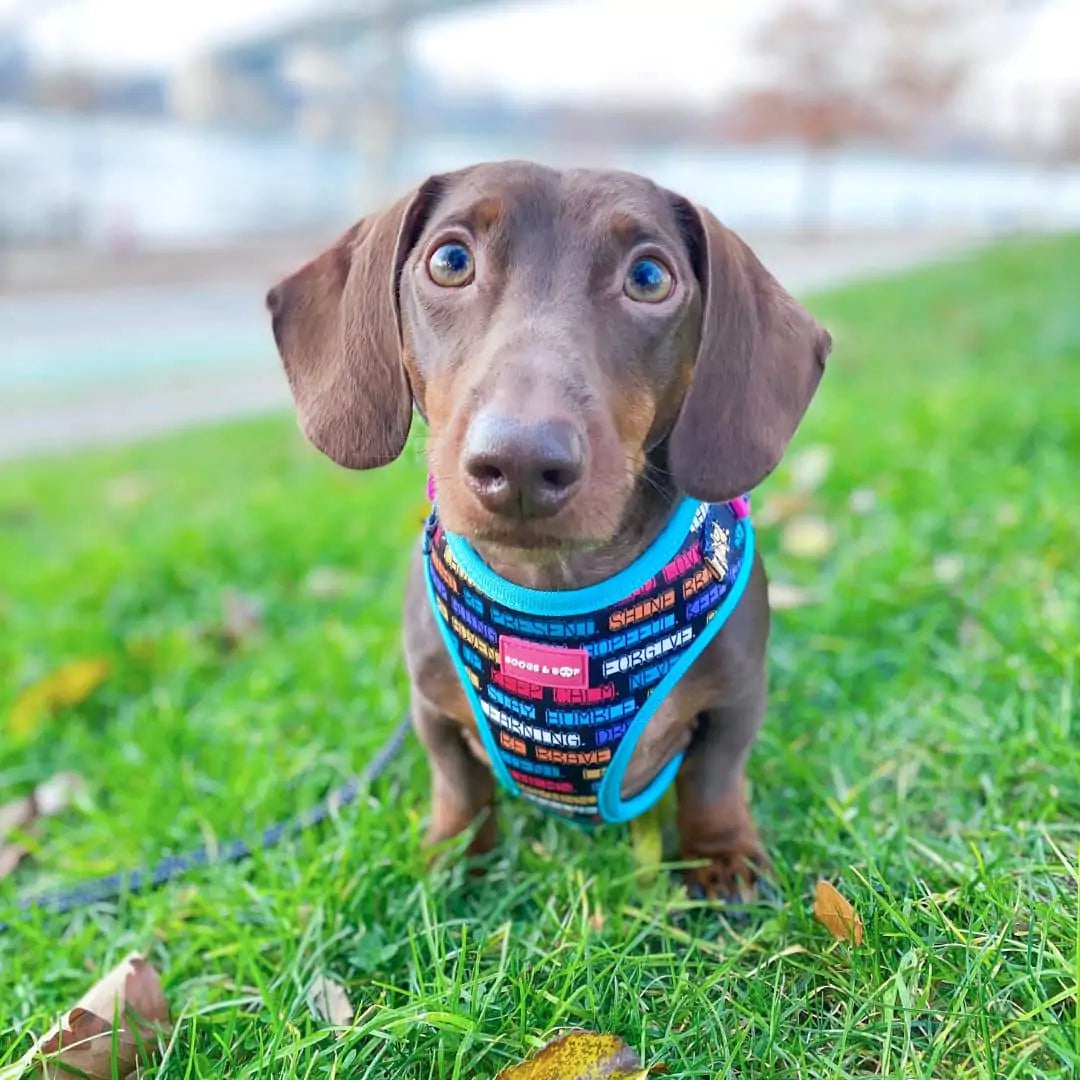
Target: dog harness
pixel 563 683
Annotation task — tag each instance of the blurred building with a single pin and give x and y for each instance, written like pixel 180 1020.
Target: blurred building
pixel 299 120
pixel 1027 98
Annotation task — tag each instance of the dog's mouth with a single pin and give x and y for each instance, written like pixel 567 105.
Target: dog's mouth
pixel 527 536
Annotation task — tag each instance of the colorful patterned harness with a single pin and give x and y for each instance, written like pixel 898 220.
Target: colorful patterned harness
pixel 562 684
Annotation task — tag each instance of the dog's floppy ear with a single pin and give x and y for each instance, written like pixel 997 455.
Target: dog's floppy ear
pixel 759 361
pixel 337 329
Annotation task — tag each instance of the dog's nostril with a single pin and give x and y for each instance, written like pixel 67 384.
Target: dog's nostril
pixel 556 478
pixel 489 475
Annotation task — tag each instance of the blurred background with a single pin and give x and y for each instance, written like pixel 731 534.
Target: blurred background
pixel 161 165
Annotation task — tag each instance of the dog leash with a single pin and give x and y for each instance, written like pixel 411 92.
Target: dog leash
pixel 142 879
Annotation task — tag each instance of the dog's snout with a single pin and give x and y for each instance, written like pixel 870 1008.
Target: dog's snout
pixel 527 469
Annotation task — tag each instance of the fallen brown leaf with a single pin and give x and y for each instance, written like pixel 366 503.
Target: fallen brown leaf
pixel 10 857
pixel 82 1044
pixel 66 686
pixel 807 537
pixel 580 1055
pixel 836 914
pixel 55 795
pixel 17 814
pixel 241 616
pixel 330 1002
pixel 50 797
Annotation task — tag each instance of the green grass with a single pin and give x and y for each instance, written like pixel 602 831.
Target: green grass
pixel 922 749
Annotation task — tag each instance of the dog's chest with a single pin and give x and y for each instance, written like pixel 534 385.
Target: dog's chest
pixel 564 686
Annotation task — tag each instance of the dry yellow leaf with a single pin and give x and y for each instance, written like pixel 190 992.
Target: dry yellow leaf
pixel 66 686
pixel 780 507
pixel 836 914
pixel 580 1055
pixel 83 1043
pixel 783 596
pixel 648 842
pixel 653 837
pixel 807 537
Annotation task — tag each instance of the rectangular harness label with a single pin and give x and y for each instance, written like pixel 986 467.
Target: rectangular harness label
pixel 544 665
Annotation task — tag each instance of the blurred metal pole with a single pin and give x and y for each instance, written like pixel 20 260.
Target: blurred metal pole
pixel 381 124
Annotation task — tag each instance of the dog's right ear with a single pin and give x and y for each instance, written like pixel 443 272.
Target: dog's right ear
pixel 759 361
pixel 338 330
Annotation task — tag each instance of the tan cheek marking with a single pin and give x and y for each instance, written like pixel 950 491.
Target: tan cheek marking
pixel 447 424
pixel 634 411
pixel 618 446
pixel 439 402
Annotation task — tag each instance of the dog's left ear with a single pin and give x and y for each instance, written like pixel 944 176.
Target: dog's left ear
pixel 337 327
pixel 759 361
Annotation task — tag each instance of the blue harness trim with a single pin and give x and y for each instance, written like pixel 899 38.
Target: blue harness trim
pixel 563 683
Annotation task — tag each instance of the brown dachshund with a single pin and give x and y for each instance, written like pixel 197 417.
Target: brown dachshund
pixel 588 350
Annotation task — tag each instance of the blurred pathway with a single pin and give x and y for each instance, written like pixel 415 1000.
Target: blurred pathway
pixel 117 361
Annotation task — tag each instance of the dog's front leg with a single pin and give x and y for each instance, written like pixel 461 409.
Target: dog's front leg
pixel 462 787
pixel 714 818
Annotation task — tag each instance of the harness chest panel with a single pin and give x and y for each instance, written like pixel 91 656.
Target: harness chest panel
pixel 562 684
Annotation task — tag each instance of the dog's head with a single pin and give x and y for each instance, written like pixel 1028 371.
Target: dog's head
pixel 561 332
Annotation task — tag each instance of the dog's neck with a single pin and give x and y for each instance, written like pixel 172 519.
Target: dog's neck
pixel 647 512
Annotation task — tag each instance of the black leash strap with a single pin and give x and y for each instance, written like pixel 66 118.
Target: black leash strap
pixel 171 867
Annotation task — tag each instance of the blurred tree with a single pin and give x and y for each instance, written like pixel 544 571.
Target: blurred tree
pixel 848 70
pixel 68 89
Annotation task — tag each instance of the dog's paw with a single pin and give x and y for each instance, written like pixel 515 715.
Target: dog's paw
pixel 472 839
pixel 732 877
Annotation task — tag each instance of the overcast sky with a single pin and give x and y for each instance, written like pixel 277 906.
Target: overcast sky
pixel 645 50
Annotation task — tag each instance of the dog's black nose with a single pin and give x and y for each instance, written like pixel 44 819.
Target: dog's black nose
pixel 527 469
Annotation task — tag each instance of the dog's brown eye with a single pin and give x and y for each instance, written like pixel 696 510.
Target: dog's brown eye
pixel 649 280
pixel 451 265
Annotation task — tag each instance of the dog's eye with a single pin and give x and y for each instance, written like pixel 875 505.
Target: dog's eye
pixel 649 280
pixel 451 265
